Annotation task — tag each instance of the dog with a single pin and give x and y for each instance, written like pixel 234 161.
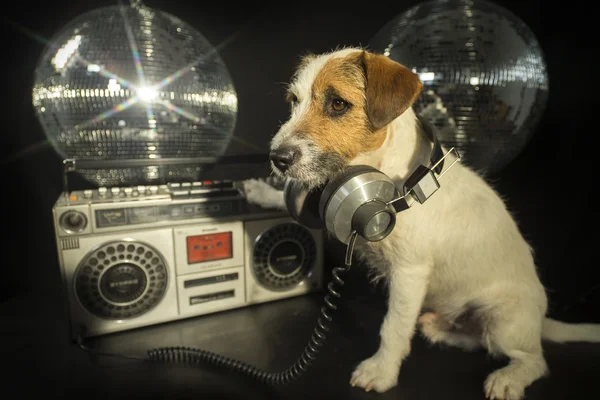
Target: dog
pixel 457 266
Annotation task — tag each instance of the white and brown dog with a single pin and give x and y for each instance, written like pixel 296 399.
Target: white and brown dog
pixel 459 256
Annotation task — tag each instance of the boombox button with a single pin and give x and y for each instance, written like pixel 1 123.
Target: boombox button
pixel 88 193
pixel 115 191
pixel 102 191
pixel 199 192
pixel 180 193
pixel 128 191
pixel 225 184
pixel 153 189
pixel 73 197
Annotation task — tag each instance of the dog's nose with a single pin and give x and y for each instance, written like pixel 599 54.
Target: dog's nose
pixel 283 158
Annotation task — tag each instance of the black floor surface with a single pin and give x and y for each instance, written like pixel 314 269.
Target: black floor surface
pixel 40 359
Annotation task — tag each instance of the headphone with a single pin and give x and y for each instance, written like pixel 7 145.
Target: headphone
pixel 362 200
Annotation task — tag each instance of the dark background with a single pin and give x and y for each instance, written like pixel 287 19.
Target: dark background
pixel 550 186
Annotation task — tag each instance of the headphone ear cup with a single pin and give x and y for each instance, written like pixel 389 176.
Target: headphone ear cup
pixel 302 204
pixel 337 182
pixel 356 200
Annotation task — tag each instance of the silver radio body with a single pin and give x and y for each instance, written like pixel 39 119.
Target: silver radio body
pixel 138 256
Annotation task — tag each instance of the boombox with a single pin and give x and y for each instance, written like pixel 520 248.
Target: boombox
pixel 137 256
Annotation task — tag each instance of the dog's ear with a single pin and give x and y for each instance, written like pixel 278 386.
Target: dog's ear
pixel 390 87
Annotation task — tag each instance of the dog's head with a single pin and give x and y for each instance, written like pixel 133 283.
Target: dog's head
pixel 341 104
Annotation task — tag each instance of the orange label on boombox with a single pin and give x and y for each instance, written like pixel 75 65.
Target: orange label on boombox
pixel 209 247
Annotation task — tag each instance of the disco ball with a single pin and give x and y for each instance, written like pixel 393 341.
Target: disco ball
pixel 129 83
pixel 485 83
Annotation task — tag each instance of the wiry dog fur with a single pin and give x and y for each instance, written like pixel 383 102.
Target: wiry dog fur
pixel 456 266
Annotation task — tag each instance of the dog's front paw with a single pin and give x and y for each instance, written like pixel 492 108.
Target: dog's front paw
pixel 500 385
pixel 375 373
pixel 260 193
pixel 253 189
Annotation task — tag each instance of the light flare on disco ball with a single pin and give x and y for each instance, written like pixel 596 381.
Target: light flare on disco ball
pixel 485 83
pixel 127 82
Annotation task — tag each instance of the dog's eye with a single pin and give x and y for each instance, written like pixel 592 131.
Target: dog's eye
pixel 339 105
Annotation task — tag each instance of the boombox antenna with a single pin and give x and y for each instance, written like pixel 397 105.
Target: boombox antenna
pixel 68 166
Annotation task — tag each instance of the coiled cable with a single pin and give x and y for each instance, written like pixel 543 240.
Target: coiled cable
pixel 196 357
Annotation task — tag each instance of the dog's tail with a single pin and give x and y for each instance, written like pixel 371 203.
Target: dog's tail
pixel 560 332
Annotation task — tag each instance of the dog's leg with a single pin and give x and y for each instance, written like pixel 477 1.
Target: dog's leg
pixel 516 334
pixel 437 330
pixel 407 288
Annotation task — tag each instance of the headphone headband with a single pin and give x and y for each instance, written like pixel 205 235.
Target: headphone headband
pixel 437 153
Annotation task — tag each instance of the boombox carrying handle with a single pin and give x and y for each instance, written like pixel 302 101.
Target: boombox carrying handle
pixel 71 164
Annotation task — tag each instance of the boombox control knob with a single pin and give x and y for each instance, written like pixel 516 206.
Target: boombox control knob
pixel 73 221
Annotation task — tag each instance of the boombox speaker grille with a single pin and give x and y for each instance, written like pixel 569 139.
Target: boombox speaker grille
pixel 284 256
pixel 121 280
